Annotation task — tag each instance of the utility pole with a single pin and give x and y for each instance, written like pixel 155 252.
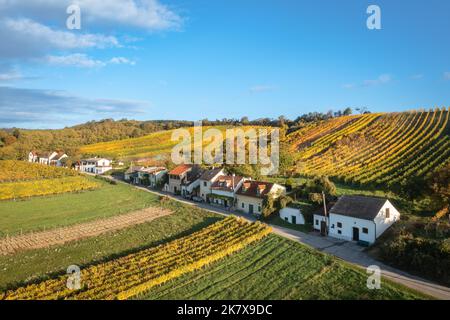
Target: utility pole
pixel 325 212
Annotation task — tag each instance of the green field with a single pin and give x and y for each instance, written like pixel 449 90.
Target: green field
pixel 39 264
pixel 277 268
pixel 52 211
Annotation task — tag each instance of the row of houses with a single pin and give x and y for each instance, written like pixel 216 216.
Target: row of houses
pixel 352 218
pixel 213 186
pixel 52 158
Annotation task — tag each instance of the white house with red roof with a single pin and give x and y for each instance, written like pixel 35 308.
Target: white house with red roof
pixel 251 195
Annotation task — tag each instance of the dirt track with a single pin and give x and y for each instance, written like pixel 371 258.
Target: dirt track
pixel 79 231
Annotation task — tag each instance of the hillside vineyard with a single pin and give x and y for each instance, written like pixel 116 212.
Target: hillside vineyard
pixel 381 149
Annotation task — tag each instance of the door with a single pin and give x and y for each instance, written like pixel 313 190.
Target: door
pixel 250 208
pixel 323 228
pixel 294 219
pixel 355 234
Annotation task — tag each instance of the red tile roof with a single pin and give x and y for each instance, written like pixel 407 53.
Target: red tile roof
pixel 250 189
pixel 226 183
pixel 181 169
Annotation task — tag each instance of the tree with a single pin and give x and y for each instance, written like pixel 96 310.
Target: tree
pixel 245 121
pixel 321 184
pixel 347 112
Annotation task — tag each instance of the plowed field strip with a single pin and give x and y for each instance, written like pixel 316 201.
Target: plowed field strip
pixel 76 232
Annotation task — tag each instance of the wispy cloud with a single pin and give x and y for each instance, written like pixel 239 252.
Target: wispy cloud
pixel 262 88
pixel 417 76
pixel 82 60
pixel 382 79
pixel 47 108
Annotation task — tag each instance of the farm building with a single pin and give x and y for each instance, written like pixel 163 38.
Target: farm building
pixel 292 215
pixel 250 196
pixel 358 218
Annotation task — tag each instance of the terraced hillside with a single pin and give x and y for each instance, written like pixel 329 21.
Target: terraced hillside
pixel 382 149
pixel 155 146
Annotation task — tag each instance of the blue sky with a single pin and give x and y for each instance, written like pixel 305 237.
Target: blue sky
pixel 194 59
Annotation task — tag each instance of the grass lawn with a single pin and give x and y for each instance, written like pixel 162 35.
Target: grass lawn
pixel 40 264
pixel 70 208
pixel 277 268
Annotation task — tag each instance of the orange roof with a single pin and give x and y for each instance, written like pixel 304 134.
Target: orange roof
pixel 181 169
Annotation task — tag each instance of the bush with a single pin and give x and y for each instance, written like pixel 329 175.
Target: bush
pixel 430 258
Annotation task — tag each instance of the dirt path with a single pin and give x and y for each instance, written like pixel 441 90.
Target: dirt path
pixel 79 231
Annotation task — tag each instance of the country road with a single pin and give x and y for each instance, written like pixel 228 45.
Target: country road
pixel 347 251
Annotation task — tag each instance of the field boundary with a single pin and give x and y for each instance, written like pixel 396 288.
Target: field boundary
pixel 58 236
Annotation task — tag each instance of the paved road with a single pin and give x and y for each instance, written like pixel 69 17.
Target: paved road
pixel 344 250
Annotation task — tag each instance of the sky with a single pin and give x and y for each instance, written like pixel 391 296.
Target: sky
pixel 196 59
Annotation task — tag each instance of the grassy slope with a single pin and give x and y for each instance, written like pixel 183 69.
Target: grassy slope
pixel 37 264
pixel 70 208
pixel 277 268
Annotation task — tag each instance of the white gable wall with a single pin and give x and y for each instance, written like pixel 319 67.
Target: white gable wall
pixel 384 223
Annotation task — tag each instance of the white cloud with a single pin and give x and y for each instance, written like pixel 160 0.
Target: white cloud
pixel 122 60
pixel 348 86
pixel 11 76
pixel 145 14
pixel 261 88
pixel 75 60
pixel 84 61
pixel 447 75
pixel 382 79
pixel 25 38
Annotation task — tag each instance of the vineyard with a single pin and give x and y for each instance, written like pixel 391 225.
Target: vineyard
pixel 11 171
pixel 136 273
pixel 26 189
pixel 381 149
pixel 154 146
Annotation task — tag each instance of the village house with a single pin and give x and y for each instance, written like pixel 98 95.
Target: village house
pixel 190 186
pixel 250 196
pixel 207 179
pixel 224 189
pixel 358 218
pixel 148 176
pixel 94 165
pixel 292 215
pixel 176 178
pixel 52 158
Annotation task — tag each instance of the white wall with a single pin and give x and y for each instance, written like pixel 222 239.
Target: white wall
pixel 317 221
pixel 243 204
pixel 384 223
pixel 346 231
pixel 287 213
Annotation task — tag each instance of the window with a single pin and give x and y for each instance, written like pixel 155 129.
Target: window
pixel 204 183
pixel 259 208
pixel 332 226
pixel 243 205
pixel 339 225
pixel 339 232
pixel 365 230
pixel 286 218
pixel 317 222
pixel 387 213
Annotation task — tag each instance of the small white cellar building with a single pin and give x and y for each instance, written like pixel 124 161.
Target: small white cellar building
pixel 292 215
pixel 358 218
